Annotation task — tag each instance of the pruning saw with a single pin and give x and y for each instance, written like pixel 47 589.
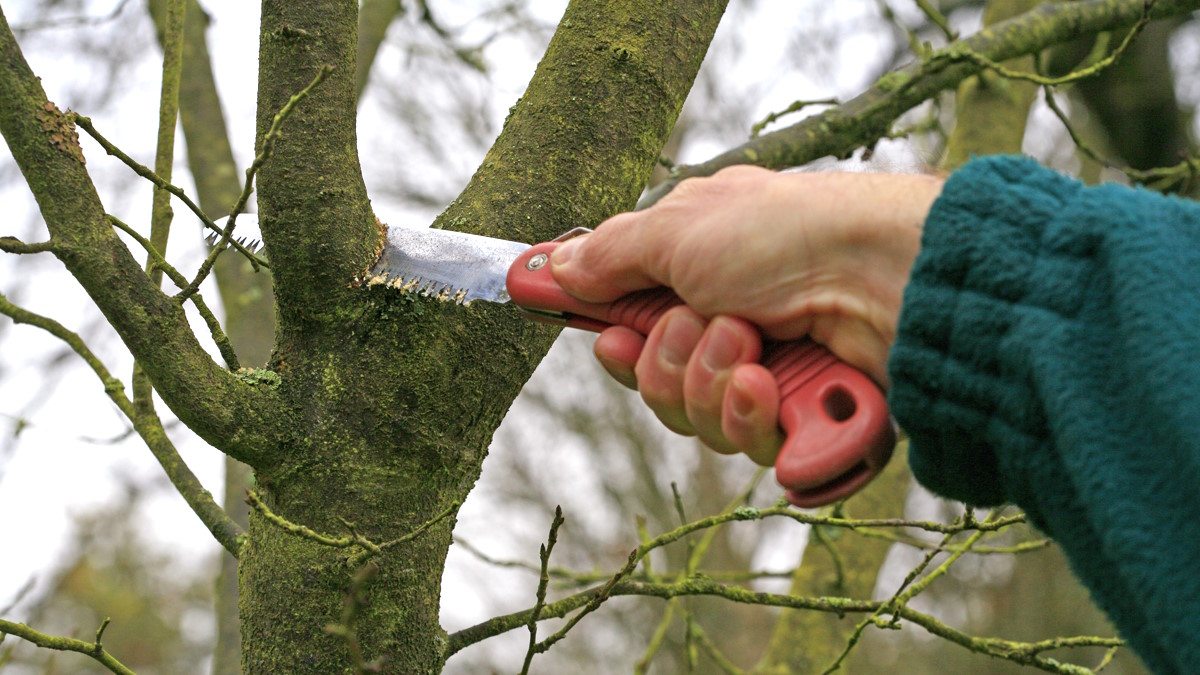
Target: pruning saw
pixel 835 419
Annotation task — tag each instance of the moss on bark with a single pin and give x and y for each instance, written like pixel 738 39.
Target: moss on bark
pixel 395 398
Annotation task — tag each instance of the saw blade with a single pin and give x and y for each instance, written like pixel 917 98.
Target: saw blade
pixel 246 233
pixel 451 266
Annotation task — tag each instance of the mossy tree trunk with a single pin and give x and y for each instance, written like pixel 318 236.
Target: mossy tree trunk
pixel 385 404
pixel 396 399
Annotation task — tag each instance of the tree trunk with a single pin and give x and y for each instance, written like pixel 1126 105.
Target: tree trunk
pixel 395 398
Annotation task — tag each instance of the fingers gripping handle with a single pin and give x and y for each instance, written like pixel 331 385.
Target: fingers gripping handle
pixel 838 433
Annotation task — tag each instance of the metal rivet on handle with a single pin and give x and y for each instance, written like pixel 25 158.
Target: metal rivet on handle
pixel 536 262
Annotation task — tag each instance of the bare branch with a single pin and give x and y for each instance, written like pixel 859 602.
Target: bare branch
pixel 1179 176
pixel 14 245
pixel 868 117
pixel 962 52
pixel 937 18
pixel 268 145
pixel 72 21
pixel 148 426
pixel 543 582
pixel 93 649
pixel 1024 653
pixel 156 261
pixel 352 539
pixel 242 420
pixel 140 169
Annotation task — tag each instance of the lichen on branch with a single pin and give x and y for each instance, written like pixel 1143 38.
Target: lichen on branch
pixel 863 120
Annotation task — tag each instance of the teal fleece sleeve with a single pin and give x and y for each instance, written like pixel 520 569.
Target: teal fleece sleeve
pixel 1048 355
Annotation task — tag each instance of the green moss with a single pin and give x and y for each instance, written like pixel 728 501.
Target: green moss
pixel 259 377
pixel 396 395
pixel 893 80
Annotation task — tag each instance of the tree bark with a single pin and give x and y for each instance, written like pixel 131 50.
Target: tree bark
pixel 395 398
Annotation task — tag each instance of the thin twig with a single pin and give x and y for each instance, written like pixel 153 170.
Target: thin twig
pixel 264 153
pixel 598 598
pixel 899 538
pixel 914 41
pixel 961 52
pixel 357 559
pixel 1024 653
pixel 95 650
pixel 1161 178
pixel 156 261
pixel 910 588
pixel 938 19
pixel 148 426
pixel 796 106
pixel 543 582
pixel 71 21
pixel 369 548
pixel 352 539
pixel 140 169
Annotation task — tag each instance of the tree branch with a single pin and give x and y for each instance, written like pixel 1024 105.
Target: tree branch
pixel 374 18
pixel 93 649
pixel 156 261
pixel 148 426
pixel 161 183
pixel 14 245
pixel 1025 653
pixel 543 582
pixel 264 153
pixel 314 213
pixel 241 420
pixel 864 120
pixel 168 113
pixel 619 584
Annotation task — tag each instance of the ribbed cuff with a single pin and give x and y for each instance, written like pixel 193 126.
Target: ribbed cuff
pixel 960 380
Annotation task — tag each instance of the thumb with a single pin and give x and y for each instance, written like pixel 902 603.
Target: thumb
pixel 608 263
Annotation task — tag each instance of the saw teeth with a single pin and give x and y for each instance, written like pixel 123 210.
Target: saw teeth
pixel 250 244
pixel 429 289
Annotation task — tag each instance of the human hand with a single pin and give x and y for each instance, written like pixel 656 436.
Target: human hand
pixel 792 254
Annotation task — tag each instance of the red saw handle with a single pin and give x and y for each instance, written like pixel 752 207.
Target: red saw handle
pixel 835 418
